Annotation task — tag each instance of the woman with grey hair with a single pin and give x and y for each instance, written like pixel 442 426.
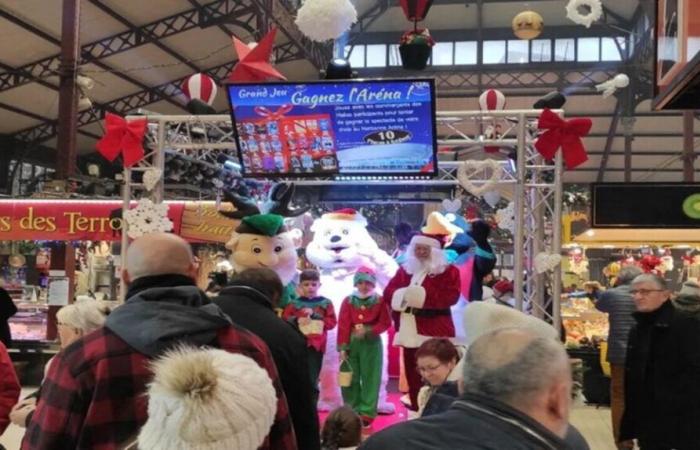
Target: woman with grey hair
pixel 74 321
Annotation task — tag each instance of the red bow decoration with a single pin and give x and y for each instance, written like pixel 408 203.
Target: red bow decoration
pixel 254 64
pixel 649 263
pixel 562 133
pixel 122 137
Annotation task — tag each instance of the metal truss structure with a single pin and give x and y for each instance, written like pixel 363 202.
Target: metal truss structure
pixel 536 185
pixel 243 15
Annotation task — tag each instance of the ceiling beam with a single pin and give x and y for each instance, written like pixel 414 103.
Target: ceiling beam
pixel 282 13
pixel 87 57
pixel 155 40
pixel 473 34
pixel 125 40
pixel 609 141
pixel 34 116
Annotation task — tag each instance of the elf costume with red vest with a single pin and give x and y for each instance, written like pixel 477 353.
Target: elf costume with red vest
pixel 360 323
pixel 421 294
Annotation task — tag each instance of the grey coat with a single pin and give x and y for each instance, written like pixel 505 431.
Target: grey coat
pixel 618 303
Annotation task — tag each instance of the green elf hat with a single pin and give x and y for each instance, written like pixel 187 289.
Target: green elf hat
pixel 365 273
pixel 262 224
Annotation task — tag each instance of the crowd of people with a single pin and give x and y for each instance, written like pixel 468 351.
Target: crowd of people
pixel 173 368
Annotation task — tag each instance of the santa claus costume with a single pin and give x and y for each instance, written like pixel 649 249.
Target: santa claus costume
pixel 421 294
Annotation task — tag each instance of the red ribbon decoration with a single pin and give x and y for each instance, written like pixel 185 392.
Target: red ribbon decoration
pixel 122 137
pixel 562 133
pixel 270 115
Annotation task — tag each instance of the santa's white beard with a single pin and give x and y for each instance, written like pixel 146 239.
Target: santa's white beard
pixel 435 265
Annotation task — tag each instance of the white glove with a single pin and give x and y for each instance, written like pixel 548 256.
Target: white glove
pixel 415 296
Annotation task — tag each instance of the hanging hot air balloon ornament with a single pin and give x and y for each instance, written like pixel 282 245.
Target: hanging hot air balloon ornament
pixel 200 90
pixel 416 45
pixel 492 100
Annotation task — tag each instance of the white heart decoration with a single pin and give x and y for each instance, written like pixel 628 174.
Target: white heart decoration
pixel 471 168
pixel 545 261
pixel 505 218
pixel 451 206
pixel 491 198
pixel 151 178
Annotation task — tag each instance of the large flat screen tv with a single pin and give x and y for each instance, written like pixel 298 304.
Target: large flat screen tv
pixel 338 127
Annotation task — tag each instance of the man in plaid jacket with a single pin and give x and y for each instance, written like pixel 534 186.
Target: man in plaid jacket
pixel 94 396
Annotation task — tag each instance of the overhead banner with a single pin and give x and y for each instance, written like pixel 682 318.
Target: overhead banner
pixel 645 205
pixel 77 220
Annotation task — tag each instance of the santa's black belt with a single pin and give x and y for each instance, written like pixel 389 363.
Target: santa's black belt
pixel 420 312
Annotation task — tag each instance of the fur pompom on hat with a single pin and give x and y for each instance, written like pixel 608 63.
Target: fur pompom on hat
pixel 207 399
pixel 482 317
pixel 365 273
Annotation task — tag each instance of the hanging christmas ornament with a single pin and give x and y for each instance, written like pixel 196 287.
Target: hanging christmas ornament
pixel 415 10
pixel 491 198
pixel 492 100
pixel 528 25
pixel 609 87
pixel 151 178
pixel 469 171
pixel 323 20
pixel 254 64
pixel 200 87
pixel 584 12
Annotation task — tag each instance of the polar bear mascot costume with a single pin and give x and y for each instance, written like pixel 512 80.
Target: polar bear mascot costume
pixel 341 244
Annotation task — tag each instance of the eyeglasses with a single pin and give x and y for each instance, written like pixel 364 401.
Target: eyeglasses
pixel 644 291
pixel 426 369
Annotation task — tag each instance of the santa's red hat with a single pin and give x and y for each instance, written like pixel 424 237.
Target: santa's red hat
pixel 503 286
pixel 347 214
pixel 433 240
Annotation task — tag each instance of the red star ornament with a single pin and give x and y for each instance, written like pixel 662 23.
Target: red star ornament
pixel 254 64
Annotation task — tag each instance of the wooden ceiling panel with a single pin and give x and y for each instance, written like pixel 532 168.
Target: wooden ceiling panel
pixel 11 122
pixel 34 98
pixel 25 46
pixel 149 64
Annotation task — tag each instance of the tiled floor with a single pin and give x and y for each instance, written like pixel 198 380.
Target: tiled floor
pixel 593 423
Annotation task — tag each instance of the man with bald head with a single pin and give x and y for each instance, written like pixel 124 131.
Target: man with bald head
pixel 94 395
pixel 516 395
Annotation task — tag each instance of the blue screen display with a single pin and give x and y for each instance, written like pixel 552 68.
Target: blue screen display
pixel 350 127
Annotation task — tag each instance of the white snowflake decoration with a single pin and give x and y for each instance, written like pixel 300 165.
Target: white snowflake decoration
pixel 573 11
pixel 146 218
pixel 506 218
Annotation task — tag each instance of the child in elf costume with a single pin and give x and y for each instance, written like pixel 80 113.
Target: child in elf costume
pixel 314 316
pixel 364 316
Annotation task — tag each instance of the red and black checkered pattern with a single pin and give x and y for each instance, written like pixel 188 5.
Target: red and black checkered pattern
pixel 94 396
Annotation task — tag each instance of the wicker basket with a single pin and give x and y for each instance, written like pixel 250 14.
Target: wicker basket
pixel 345 374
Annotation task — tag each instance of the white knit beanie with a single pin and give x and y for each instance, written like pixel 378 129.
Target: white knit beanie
pixel 483 317
pixel 207 399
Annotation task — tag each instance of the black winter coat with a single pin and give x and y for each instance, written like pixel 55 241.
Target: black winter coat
pixel 252 310
pixel 473 422
pixel 7 310
pixel 662 380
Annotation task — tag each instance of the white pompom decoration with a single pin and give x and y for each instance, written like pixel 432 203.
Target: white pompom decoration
pixel 323 20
